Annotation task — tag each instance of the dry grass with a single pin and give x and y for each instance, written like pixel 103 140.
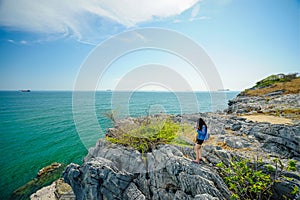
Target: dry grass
pixel 187 131
pixel 291 87
pixel 290 113
pixel 268 118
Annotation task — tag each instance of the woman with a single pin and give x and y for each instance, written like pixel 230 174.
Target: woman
pixel 202 131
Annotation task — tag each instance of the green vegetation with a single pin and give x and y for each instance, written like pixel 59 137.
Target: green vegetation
pixel 185 135
pixel 270 80
pixel 287 84
pixel 146 134
pixel 248 180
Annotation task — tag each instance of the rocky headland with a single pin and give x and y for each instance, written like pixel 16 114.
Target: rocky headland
pixel 258 125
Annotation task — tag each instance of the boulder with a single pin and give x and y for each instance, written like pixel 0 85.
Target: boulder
pixel 57 190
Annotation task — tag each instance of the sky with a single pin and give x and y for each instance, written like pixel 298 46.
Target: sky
pixel 44 45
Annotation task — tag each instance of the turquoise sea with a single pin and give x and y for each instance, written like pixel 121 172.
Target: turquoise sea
pixel 38 128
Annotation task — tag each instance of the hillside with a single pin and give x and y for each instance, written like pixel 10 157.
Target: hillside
pixel 275 96
pixel 275 84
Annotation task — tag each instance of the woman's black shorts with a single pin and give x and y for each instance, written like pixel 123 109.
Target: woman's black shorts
pixel 199 141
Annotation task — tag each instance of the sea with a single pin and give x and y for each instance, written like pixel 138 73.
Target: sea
pixel 38 128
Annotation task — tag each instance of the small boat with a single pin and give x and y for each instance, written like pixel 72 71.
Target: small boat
pixel 24 90
pixel 223 90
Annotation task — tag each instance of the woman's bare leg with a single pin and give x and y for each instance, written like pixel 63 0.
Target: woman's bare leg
pixel 198 152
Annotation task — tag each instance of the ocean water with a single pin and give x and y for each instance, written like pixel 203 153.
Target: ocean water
pixel 39 128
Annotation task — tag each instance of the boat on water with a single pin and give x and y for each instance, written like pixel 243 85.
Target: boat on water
pixel 25 91
pixel 223 90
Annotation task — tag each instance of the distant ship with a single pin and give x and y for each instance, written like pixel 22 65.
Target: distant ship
pixel 223 90
pixel 25 91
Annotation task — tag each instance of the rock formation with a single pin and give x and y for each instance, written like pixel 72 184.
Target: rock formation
pixel 112 171
pixel 57 190
pixel 279 105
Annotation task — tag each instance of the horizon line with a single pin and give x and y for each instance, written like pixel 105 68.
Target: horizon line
pixel 61 90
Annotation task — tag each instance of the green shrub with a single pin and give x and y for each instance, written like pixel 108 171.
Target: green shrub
pixel 244 181
pixel 146 136
pixel 247 180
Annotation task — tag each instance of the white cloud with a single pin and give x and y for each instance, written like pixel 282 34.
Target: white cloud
pixel 11 41
pixel 80 17
pixel 200 18
pixel 177 21
pixel 195 11
pixel 23 42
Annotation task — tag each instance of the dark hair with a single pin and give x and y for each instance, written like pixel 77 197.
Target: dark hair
pixel 201 122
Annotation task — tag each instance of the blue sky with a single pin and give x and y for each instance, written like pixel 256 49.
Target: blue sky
pixel 43 44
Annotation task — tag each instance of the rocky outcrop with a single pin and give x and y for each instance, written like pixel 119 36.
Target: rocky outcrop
pixel 115 172
pixel 48 169
pixel 280 139
pixel 274 103
pixel 58 190
pixel 45 176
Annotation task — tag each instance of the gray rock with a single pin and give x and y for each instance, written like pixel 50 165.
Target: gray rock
pixel 132 192
pixel 180 195
pixel 236 142
pixel 271 102
pixel 97 179
pixel 167 174
pixel 275 93
pixel 236 127
pixel 205 197
pixel 284 187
